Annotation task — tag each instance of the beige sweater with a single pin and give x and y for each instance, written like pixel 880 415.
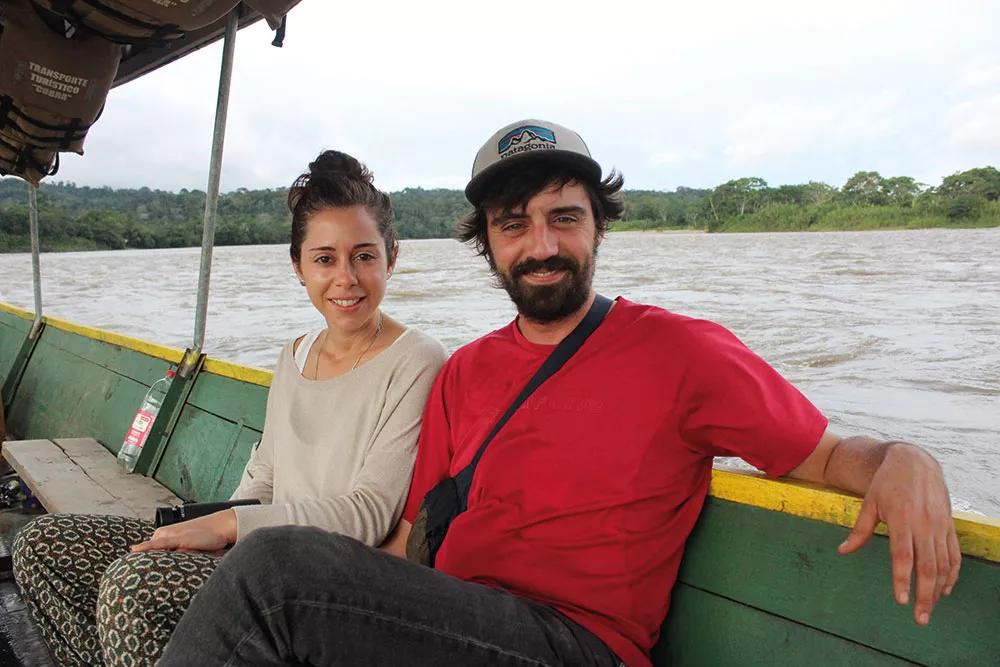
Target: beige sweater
pixel 338 454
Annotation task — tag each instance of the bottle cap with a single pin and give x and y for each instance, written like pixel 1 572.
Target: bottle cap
pixel 171 373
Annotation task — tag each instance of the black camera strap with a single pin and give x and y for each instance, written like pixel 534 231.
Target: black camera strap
pixel 558 357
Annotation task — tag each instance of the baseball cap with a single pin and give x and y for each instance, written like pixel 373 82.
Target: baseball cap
pixel 525 140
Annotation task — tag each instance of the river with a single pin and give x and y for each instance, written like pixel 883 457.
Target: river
pixel 893 334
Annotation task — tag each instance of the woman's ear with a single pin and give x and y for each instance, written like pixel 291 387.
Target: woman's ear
pixel 392 260
pixel 298 273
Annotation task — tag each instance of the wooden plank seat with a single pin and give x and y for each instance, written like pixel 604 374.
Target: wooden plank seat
pixel 80 476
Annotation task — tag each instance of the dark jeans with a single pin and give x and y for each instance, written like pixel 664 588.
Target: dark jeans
pixel 295 595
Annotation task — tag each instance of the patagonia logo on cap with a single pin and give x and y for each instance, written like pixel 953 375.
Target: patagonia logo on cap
pixel 526 138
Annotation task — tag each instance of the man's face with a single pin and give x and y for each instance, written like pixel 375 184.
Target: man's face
pixel 544 254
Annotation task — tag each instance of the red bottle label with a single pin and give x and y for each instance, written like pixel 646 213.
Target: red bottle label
pixel 139 431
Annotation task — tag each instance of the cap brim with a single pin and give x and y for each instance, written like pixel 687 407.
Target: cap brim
pixel 477 185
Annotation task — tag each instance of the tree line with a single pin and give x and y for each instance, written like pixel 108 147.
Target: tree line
pixel 86 218
pixel 867 200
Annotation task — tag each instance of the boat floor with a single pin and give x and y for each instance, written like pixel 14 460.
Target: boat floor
pixel 21 645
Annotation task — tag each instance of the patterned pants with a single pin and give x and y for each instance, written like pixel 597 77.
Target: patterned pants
pixel 94 601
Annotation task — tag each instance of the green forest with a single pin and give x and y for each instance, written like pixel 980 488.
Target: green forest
pixel 86 218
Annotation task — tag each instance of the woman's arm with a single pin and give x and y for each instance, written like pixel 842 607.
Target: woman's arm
pixel 257 481
pixel 370 510
pixel 215 531
pixel 207 534
pixel 367 513
pixel 373 506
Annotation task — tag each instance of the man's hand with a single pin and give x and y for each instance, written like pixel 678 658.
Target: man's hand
pixel 396 542
pixel 209 534
pixel 909 495
pixel 903 487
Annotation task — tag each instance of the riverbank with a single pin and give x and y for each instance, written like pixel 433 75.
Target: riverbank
pixel 836 220
pixel 21 244
pixel 645 226
pixel 75 218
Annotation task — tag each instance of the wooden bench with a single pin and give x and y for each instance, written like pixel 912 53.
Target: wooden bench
pixel 80 476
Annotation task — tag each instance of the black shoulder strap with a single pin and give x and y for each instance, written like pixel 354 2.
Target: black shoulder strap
pixel 559 356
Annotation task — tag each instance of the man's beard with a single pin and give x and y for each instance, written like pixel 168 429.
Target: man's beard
pixel 549 303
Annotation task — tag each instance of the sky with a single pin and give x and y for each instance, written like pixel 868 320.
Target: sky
pixel 669 93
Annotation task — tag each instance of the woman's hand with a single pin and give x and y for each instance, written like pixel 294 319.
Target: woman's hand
pixel 210 534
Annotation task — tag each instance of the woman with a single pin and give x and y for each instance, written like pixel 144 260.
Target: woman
pixel 343 413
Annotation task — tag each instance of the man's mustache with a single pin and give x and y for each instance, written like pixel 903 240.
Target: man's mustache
pixel 554 263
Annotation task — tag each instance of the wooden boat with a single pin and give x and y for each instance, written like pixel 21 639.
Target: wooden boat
pixel 761 582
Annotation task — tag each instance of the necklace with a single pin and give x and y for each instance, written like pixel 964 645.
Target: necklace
pixel 378 332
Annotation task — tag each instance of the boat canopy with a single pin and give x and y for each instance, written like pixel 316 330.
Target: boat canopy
pixel 59 59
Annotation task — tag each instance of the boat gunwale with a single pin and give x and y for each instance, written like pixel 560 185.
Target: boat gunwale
pixel 17 312
pixel 239 372
pixel 978 534
pixel 155 350
pixel 249 374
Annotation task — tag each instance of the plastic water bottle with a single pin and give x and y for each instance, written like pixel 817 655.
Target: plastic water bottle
pixel 143 422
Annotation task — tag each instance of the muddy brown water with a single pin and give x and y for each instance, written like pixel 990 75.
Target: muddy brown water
pixel 894 334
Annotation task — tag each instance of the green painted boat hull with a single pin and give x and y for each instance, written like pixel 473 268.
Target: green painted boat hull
pixel 757 586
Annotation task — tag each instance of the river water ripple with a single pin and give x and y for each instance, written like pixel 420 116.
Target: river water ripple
pixel 893 334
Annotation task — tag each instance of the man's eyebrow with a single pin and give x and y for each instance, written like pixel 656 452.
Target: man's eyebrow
pixel 578 210
pixel 516 215
pixel 507 215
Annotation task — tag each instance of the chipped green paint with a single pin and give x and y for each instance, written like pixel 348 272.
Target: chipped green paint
pixel 205 456
pixel 97 402
pixel 788 567
pixel 13 331
pixel 204 447
pixel 708 629
pixel 231 399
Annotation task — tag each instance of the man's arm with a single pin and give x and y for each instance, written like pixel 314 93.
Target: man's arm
pixel 903 486
pixel 396 542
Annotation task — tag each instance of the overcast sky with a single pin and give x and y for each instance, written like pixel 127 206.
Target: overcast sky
pixel 671 93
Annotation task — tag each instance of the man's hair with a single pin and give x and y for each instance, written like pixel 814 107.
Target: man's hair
pixel 512 190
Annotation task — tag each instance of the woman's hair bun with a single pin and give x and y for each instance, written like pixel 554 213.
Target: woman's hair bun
pixel 337 180
pixel 334 164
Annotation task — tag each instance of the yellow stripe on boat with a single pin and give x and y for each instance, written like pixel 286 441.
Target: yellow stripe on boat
pixel 978 535
pixel 171 354
pixel 19 312
pixel 249 374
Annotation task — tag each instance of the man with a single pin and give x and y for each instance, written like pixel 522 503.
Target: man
pixel 580 507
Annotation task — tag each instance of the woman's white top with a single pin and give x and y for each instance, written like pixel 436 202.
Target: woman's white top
pixel 338 454
pixel 302 353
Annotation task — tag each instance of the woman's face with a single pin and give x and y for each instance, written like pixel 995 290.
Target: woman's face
pixel 344 266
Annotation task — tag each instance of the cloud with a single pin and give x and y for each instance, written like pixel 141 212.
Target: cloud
pixel 975 126
pixel 673 157
pixel 775 130
pixel 982 76
pixel 672 94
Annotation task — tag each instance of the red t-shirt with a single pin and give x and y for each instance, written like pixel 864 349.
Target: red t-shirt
pixel 585 498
